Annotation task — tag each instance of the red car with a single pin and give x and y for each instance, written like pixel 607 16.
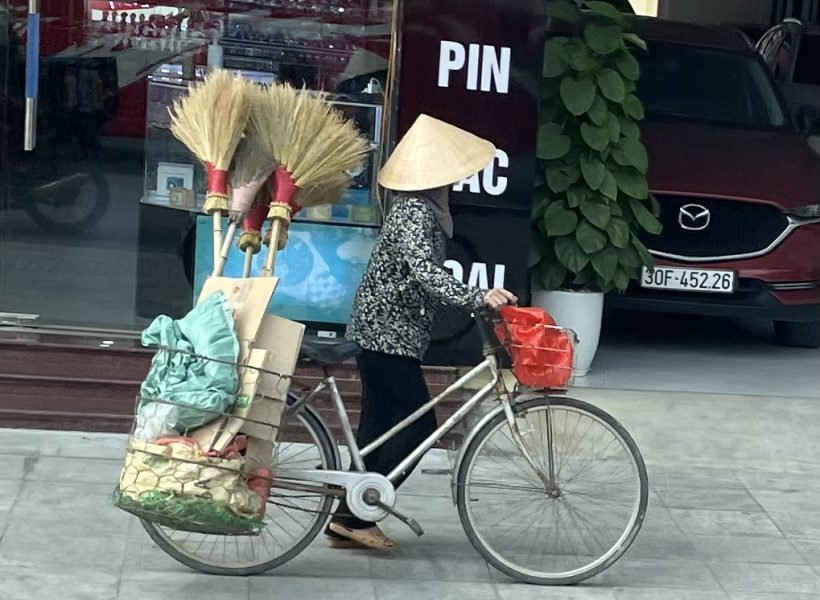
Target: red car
pixel 738 185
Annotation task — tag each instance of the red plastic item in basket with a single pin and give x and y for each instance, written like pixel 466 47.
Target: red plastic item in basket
pixel 541 353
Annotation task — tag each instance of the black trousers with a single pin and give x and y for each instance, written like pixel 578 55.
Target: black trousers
pixel 393 388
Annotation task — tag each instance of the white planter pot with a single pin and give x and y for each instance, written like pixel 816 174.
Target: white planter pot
pixel 580 311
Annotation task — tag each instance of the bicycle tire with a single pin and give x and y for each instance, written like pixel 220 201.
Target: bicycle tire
pixel 325 443
pixel 517 572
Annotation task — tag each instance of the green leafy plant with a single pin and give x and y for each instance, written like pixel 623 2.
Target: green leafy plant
pixel 592 197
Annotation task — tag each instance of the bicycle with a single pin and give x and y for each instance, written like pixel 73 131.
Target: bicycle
pixel 552 462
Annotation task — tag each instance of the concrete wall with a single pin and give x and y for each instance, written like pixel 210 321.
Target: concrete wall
pixel 716 11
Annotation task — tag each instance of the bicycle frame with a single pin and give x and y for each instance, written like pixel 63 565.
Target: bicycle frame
pixel 348 479
pixel 488 365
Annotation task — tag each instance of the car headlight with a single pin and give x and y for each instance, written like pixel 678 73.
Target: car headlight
pixel 812 211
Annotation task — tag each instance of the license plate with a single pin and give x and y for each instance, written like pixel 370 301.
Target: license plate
pixel 689 280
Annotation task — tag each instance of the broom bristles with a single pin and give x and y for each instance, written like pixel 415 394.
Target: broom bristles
pixel 252 166
pixel 314 142
pixel 210 120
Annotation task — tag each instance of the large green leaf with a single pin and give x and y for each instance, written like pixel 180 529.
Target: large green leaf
pixel 564 11
pixel 596 212
pixel 585 278
pixel 576 195
pixel 629 257
pixel 561 177
pixel 559 220
pixel 555 63
pixel 606 9
pixel 635 41
pixel 631 153
pixel 593 171
pixel 605 263
pixel 577 95
pixel 603 39
pixel 613 127
pixel 633 107
pixel 632 184
pixel 550 111
pixel 621 278
pixel 628 65
pixel 645 219
pixel 618 231
pixel 599 112
pixel 551 274
pixel 596 138
pixel 540 201
pixel 570 254
pixel 629 128
pixel 611 85
pixel 582 59
pixel 552 143
pixel 609 187
pixel 646 259
pixel 589 237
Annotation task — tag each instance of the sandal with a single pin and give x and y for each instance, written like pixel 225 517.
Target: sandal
pixel 364 538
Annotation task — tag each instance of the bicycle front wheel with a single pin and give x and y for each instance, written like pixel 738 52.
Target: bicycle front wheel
pixel 292 520
pixel 566 520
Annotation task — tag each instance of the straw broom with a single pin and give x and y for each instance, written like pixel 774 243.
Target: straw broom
pixel 250 242
pixel 252 166
pixel 315 148
pixel 210 121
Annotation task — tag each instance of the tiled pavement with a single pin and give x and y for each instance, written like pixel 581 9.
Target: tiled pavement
pixel 734 514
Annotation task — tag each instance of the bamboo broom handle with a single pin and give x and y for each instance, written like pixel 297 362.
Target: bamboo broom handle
pixel 222 259
pixel 217 236
pixel 246 270
pixel 270 258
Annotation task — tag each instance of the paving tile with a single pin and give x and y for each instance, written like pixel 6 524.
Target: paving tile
pixel 785 500
pixel 9 489
pixel 747 549
pixel 402 590
pixel 33 583
pixel 111 446
pixel 183 586
pixel 663 477
pixel 809 550
pixel 74 470
pixel 670 573
pixel 586 591
pixel 770 596
pixel 798 524
pixel 318 587
pixel 706 498
pixel 62 508
pixel 773 579
pixel 724 522
pixel 13 466
pixel 63 553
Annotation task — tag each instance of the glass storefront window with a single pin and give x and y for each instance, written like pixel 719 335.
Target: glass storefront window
pixel 88 234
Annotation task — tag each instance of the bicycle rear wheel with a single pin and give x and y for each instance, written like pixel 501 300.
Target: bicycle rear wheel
pixel 292 520
pixel 561 533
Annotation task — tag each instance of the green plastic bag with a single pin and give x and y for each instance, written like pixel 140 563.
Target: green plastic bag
pixel 199 387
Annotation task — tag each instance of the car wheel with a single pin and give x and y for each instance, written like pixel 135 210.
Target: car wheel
pixel 797 335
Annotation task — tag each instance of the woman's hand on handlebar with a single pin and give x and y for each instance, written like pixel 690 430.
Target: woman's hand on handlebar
pixel 497 298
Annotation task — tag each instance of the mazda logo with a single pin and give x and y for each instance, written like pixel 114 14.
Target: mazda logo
pixel 694 217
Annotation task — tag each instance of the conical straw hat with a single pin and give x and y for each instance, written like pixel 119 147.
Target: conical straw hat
pixel 433 154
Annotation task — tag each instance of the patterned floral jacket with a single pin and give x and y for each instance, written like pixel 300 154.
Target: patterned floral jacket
pixel 404 283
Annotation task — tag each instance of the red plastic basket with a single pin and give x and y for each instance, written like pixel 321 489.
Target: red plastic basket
pixel 542 353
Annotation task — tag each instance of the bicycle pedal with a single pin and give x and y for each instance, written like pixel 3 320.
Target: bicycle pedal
pixel 374 500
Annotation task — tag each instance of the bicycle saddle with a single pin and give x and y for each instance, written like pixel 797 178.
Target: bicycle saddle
pixel 326 351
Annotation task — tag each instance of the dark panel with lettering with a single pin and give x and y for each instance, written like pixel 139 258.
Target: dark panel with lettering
pixel 476 64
